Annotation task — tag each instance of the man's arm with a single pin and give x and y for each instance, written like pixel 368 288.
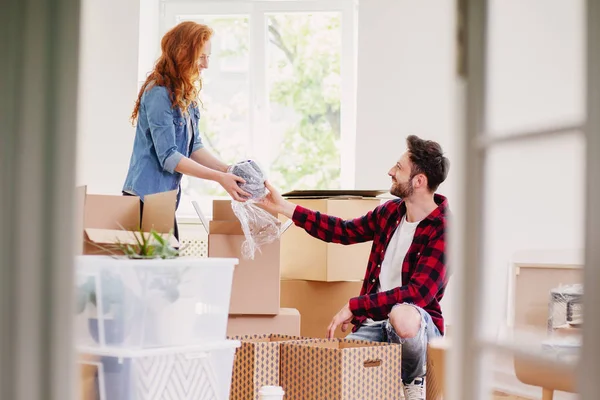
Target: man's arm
pixel 429 276
pixel 336 230
pixel 322 226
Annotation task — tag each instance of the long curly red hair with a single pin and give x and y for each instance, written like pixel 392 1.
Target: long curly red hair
pixel 177 67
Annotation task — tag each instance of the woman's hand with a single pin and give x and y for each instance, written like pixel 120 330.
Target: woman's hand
pixel 230 183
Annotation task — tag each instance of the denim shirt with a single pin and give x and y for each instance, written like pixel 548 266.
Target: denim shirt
pixel 161 141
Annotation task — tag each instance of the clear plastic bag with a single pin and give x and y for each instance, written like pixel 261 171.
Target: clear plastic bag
pixel 260 227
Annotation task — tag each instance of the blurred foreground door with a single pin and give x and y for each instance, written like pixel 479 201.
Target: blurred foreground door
pixel 39 42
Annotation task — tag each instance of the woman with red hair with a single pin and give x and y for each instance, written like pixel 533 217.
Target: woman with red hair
pixel 167 143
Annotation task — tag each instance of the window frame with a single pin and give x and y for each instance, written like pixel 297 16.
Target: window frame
pixel 257 11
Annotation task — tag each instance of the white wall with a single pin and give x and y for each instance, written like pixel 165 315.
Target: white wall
pixel 405 82
pixel 535 190
pixel 149 43
pixel 406 85
pixel 107 92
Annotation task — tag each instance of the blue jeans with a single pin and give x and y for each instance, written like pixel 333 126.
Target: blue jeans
pixel 414 350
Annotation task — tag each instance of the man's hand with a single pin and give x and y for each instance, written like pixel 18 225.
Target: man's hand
pixel 275 203
pixel 343 318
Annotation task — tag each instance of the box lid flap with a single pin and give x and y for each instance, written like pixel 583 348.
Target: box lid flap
pixel 201 215
pixel 322 194
pixel 111 212
pixel 159 212
pixel 225 228
pixel 114 236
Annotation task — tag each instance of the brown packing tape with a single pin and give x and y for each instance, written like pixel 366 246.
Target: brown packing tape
pixel 339 369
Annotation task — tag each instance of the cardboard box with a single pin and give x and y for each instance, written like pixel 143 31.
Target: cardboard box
pixel 308 258
pixel 109 220
pixel 256 364
pixel 340 370
pixel 88 366
pixel 317 303
pixel 287 322
pixel 255 289
pixel 436 368
pixel 533 284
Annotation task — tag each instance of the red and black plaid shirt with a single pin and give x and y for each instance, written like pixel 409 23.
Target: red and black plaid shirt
pixel 424 273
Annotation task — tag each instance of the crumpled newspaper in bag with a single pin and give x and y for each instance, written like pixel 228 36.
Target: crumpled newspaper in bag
pixel 260 227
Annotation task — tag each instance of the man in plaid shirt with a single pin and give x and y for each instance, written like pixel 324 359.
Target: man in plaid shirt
pixel 406 274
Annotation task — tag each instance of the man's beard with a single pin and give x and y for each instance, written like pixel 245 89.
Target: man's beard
pixel 402 190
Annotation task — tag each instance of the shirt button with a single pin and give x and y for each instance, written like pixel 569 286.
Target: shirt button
pixel 373 280
pixel 378 265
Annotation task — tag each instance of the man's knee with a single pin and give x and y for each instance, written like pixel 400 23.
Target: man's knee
pixel 406 321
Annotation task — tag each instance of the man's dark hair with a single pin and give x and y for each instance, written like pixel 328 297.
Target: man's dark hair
pixel 428 159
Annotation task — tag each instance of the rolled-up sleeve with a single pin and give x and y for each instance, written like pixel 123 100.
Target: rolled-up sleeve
pixel 162 130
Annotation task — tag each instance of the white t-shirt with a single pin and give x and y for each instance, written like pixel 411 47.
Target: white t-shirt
pixel 390 276
pixel 391 268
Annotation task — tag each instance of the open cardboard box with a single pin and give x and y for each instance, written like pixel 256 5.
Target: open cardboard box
pixel 107 220
pixel 256 364
pixel 339 369
pixel 307 258
pixel 225 239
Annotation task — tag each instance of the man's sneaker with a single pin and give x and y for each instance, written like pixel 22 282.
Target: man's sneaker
pixel 415 390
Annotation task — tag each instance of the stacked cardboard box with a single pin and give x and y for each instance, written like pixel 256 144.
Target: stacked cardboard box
pixel 318 278
pixel 255 294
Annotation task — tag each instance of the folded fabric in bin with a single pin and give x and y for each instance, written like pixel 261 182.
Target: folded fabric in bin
pixel 259 226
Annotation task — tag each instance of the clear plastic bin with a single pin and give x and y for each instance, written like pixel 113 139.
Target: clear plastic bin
pixel 151 303
pixel 200 372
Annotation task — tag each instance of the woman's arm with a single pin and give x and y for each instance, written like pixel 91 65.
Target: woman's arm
pixel 162 131
pixel 205 157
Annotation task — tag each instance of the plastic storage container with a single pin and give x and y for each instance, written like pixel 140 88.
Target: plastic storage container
pixel 200 372
pixel 151 303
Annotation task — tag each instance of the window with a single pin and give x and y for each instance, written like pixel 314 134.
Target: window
pixel 279 90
